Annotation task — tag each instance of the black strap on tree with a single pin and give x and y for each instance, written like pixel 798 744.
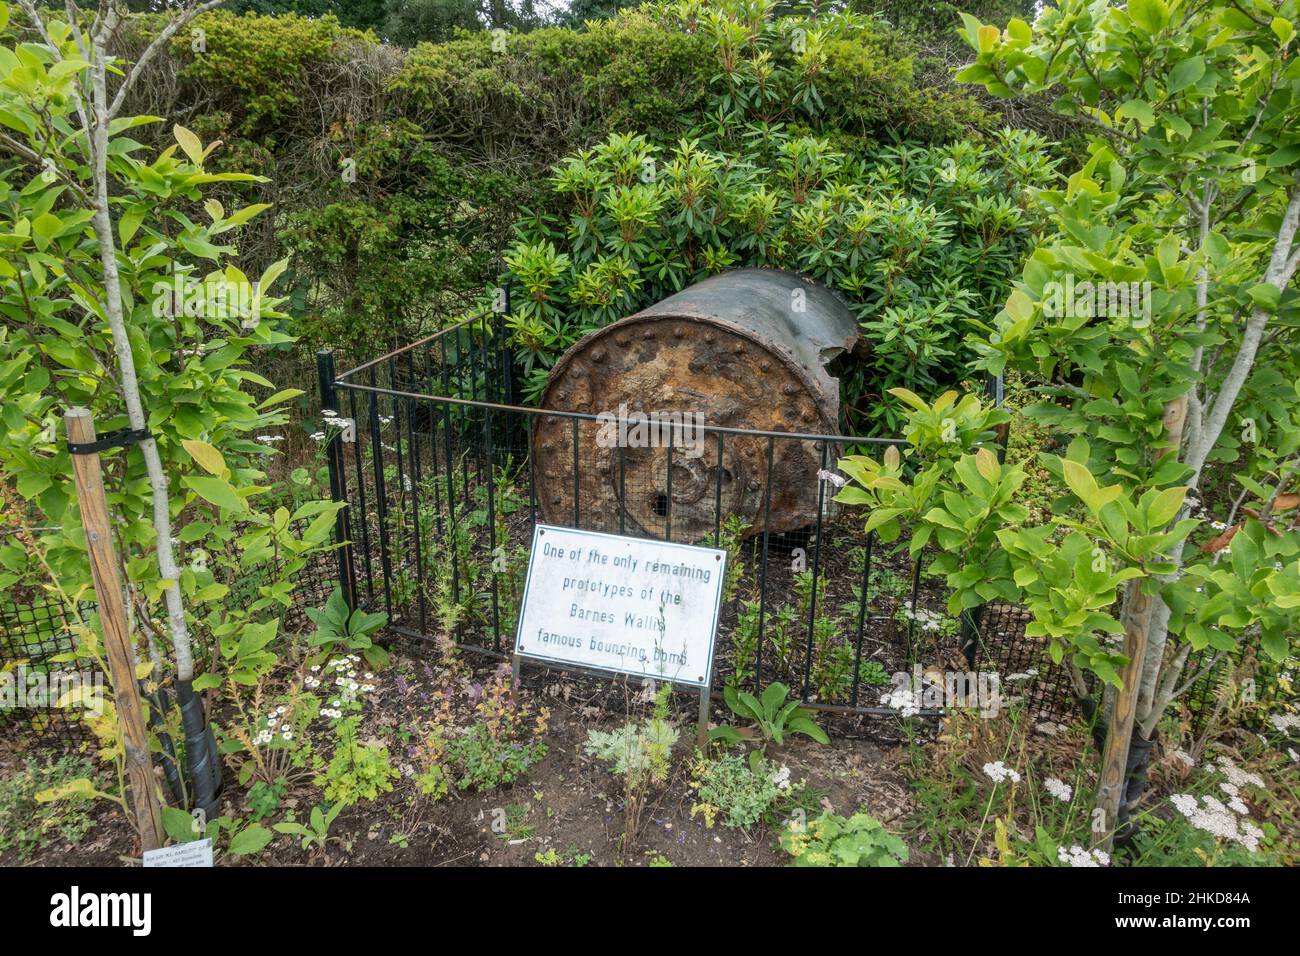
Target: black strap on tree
pixel 115 439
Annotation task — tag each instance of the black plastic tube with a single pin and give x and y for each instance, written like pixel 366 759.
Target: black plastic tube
pixel 200 748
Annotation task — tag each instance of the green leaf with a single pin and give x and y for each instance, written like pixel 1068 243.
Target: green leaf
pixel 1150 15
pixel 1165 506
pixel 1265 295
pixel 252 839
pixel 1139 110
pixel 1186 74
pixel 216 490
pixel 179 825
pixel 190 143
pixel 207 456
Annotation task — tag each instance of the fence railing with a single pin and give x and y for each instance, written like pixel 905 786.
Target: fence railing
pixel 446 475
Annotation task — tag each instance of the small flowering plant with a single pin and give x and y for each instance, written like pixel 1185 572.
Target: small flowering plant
pixel 480 736
pixel 269 738
pixel 277 732
pixel 743 791
pixel 1224 813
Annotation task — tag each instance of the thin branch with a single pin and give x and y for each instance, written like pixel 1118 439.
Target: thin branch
pixel 158 42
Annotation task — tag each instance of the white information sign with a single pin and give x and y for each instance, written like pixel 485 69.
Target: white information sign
pixel 629 605
pixel 194 853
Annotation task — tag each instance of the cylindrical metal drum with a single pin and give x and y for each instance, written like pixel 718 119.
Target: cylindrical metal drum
pixel 746 349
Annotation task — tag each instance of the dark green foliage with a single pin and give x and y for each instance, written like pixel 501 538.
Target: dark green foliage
pixel 362 14
pixel 413 21
pixel 397 175
pixel 920 239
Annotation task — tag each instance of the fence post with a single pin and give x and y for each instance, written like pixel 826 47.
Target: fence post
pixel 117 639
pixel 338 492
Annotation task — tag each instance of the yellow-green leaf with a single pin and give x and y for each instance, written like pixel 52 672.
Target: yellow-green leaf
pixel 208 457
pixel 190 143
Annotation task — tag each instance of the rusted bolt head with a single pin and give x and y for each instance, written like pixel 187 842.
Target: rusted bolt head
pixel 598 355
pixel 790 389
pixel 765 366
pixel 738 349
pixel 753 485
pixel 679 332
pixel 709 338
pixel 648 334
pixel 621 339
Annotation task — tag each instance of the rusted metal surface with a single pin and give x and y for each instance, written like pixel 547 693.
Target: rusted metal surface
pixel 745 349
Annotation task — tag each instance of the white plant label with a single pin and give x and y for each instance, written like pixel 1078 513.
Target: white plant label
pixel 627 605
pixel 195 853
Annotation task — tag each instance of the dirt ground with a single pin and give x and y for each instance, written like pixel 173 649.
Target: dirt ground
pixel 569 803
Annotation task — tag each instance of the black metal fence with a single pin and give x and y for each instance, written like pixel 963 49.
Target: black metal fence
pixel 446 475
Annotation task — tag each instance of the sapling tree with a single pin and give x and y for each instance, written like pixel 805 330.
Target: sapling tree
pixel 1159 327
pixel 104 307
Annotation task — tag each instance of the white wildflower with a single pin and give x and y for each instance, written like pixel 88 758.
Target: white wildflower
pixel 999 772
pixel 1059 789
pixel 1078 856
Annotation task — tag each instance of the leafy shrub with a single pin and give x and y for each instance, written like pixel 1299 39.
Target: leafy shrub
pixel 28 824
pixel 447 140
pixel 340 628
pixel 635 751
pixel 773 717
pixel 919 239
pixel 743 790
pixel 357 771
pixel 498 747
pixel 832 840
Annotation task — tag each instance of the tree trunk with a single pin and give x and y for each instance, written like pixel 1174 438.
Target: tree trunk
pixel 200 754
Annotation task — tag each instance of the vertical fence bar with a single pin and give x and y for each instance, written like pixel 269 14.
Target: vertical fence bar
pixel 452 530
pixel 492 529
pixel 862 614
pixel 577 512
pixel 668 489
pixel 433 442
pixel 622 489
pixel 816 571
pixel 381 497
pixel 413 456
pixel 338 482
pixel 717 496
pixel 362 513
pixel 508 354
pixel 762 570
pixel 531 438
pixel 911 620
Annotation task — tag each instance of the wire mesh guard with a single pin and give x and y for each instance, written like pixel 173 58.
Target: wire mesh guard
pixel 34 631
pixel 442 470
pixel 32 634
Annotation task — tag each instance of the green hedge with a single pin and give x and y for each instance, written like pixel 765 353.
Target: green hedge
pixel 449 142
